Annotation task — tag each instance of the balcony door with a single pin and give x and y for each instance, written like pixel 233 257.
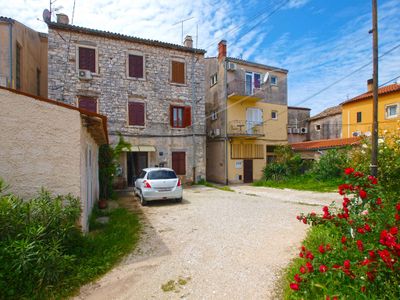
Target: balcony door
pixel 254 117
pixel 253 81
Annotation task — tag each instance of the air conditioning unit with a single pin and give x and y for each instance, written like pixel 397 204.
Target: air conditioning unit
pixel 303 130
pixel 295 130
pixel 289 130
pixel 217 132
pixel 85 74
pixel 231 66
pixel 211 133
pixel 356 133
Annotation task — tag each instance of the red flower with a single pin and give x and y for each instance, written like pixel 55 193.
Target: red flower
pixel 310 267
pixel 303 270
pixel 398 206
pixel 305 220
pixel 348 171
pixel 397 217
pixel 301 254
pixel 309 255
pixel 303 248
pixel 297 278
pixel 323 268
pixel 363 289
pixel 328 247
pixel 360 245
pixel 321 249
pixel 346 264
pixel 299 218
pixel 367 227
pixel 371 254
pixel 344 239
pixel 370 276
pixel 372 179
pixel 358 174
pixel 379 201
pixel 363 194
pixel 365 262
pixel 385 256
pixel 335 266
pixel 294 286
pixel 361 230
pixel 394 230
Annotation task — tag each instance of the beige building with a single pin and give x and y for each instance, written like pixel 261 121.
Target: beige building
pixel 247 116
pixel 49 144
pixel 23 58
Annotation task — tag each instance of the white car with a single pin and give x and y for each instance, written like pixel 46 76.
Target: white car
pixel 158 184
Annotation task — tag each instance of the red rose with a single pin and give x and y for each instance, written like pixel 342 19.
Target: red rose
pixel 394 230
pixel 360 245
pixel 297 278
pixel 321 249
pixel 361 230
pixel 310 267
pixel 367 227
pixel 365 262
pixel 305 220
pixel 303 270
pixel 398 206
pixel 346 264
pixel 323 268
pixel 371 254
pixel 294 286
pixel 379 201
pixel 298 218
pixel 344 239
pixel 363 194
pixel 397 217
pixel 363 289
pixel 348 171
pixel 309 255
pixel 370 276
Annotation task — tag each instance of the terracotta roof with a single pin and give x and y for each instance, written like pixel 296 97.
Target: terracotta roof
pixel 298 107
pixel 242 61
pixel 119 36
pixel 58 103
pixel 330 111
pixel 381 91
pixel 325 144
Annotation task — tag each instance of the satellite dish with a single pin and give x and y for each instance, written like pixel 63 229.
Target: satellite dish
pixel 266 76
pixel 368 133
pixel 46 15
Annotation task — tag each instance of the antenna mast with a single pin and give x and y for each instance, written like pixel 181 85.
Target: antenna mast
pixel 182 21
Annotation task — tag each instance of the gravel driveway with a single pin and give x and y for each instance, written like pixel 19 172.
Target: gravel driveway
pixel 214 245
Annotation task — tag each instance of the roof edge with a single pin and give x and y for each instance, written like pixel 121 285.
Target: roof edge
pixel 242 61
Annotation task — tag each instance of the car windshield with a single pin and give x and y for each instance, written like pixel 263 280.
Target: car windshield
pixel 161 174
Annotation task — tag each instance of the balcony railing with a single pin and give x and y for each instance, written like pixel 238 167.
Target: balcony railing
pixel 239 87
pixel 245 128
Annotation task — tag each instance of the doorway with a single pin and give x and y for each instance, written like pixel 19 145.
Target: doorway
pixel 248 171
pixel 136 161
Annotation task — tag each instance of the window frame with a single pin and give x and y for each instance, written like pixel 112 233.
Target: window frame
pixel 359 117
pixel 136 53
pixel 275 79
pixel 317 127
pixel 392 116
pixel 179 60
pixel 96 57
pixel 253 86
pixel 276 115
pixel 213 79
pixel 185 123
pixel 144 113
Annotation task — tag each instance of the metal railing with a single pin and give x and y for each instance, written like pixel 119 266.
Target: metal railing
pixel 245 128
pixel 239 87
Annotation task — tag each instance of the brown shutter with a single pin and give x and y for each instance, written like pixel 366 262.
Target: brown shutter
pixel 87 59
pixel 179 162
pixel 136 113
pixel 178 72
pixel 88 103
pixel 171 115
pixel 135 66
pixel 187 116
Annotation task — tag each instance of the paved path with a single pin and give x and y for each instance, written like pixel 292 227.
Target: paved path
pixel 214 245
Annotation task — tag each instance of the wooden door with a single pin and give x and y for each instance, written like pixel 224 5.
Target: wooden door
pixel 247 171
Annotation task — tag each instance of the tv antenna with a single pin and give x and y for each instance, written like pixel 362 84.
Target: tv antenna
pixel 182 21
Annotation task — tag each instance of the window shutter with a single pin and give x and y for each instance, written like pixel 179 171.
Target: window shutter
pixel 178 72
pixel 171 116
pixel 87 103
pixel 136 112
pixel 135 66
pixel 187 116
pixel 87 59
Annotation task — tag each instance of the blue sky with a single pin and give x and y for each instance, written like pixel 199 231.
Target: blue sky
pixel 318 41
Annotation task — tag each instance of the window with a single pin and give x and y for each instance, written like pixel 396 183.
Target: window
pixel 391 111
pixel 161 174
pixel 359 117
pixel 135 66
pixel 136 113
pixel 88 103
pixel 274 115
pixel 18 67
pixel 213 79
pixel 317 127
pixel 38 82
pixel 87 59
pixel 142 174
pixel 177 72
pixel 253 81
pixel 274 80
pixel 180 116
pixel 214 115
pixel 179 162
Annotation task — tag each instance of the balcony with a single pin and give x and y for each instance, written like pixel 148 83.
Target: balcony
pixel 237 89
pixel 243 128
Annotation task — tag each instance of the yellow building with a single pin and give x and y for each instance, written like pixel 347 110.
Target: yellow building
pixel 357 112
pixel 246 111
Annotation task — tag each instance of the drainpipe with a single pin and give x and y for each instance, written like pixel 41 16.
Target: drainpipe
pixel 226 118
pixel 193 119
pixel 11 55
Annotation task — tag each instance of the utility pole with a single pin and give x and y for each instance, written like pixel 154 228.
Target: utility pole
pixel 374 152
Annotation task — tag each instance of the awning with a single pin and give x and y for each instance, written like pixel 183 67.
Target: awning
pixel 141 148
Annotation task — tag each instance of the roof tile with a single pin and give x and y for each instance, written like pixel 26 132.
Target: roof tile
pixel 326 144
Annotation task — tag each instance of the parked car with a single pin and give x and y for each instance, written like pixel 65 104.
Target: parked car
pixel 158 184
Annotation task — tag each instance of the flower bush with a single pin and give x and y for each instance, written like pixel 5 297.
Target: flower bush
pixel 356 256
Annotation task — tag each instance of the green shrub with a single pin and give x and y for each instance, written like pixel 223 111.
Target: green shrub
pixel 331 164
pixel 35 240
pixel 286 164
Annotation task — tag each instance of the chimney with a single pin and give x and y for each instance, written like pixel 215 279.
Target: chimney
pixel 62 19
pixel 221 50
pixel 370 85
pixel 188 41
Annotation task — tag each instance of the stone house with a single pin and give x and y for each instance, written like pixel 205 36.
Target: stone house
pixel 298 118
pixel 246 109
pixel 327 124
pixel 45 143
pixel 152 93
pixel 23 58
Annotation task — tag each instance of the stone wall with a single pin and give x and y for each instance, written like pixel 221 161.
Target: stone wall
pixel 113 89
pixel 330 128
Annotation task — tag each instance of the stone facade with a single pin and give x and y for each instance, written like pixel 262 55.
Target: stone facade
pixel 298 124
pixel 326 125
pixel 113 89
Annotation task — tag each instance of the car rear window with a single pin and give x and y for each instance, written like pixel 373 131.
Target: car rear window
pixel 161 174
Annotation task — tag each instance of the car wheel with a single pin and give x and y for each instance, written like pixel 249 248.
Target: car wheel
pixel 178 200
pixel 142 200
